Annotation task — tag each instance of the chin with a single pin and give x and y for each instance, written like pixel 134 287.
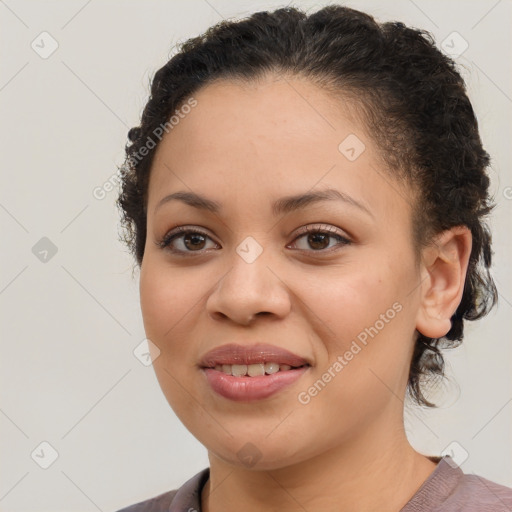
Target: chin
pixel 257 455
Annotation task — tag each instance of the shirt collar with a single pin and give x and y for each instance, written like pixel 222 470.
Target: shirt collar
pixel 437 487
pixel 188 497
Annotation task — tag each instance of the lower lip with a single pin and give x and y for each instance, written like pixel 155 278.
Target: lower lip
pixel 248 389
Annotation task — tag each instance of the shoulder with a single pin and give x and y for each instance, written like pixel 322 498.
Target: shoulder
pixel 187 497
pixel 449 489
pixel 159 503
pixel 474 492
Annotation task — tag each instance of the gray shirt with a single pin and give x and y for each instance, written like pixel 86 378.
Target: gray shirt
pixel 447 489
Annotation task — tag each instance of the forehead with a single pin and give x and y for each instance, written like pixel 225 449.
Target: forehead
pixel 270 114
pixel 245 112
pixel 277 136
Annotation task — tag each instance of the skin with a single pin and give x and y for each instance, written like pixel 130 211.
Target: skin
pixel 245 146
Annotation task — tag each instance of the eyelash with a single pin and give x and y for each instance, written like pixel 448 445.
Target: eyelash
pixel 180 231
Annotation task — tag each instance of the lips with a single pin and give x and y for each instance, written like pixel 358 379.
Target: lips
pixel 258 353
pixel 235 371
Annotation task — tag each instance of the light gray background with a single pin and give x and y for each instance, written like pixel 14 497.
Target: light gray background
pixel 69 325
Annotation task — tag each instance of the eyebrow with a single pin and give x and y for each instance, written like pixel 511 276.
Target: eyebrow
pixel 281 206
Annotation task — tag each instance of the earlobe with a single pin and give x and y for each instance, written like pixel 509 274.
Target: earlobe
pixel 443 273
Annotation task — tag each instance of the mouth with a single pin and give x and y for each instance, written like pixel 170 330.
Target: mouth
pixel 254 370
pixel 254 360
pixel 247 373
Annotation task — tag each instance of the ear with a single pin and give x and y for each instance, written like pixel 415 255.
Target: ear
pixel 443 274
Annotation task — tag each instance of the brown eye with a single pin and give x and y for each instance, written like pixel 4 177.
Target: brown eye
pixel 194 241
pixel 185 241
pixel 318 239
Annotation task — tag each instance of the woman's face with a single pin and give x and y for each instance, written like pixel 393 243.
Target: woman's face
pixel 344 300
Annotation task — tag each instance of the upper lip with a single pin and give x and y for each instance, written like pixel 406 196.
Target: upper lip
pixel 253 354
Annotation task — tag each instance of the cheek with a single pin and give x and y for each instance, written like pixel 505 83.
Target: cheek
pixel 166 297
pixel 351 300
pixel 169 301
pixel 365 322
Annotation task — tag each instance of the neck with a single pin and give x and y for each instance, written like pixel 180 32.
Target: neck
pixel 378 471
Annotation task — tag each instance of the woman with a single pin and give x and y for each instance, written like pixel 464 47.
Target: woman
pixel 305 196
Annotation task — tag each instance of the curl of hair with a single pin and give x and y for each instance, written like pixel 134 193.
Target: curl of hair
pixel 412 99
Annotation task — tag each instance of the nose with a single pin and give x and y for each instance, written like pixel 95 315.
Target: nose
pixel 249 290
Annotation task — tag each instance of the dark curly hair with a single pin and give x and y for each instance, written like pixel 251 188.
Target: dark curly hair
pixel 411 98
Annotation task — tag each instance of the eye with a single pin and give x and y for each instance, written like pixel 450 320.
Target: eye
pixel 183 240
pixel 187 239
pixel 318 238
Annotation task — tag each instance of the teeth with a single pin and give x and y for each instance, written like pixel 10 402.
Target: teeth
pixel 238 370
pixel 252 370
pixel 271 368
